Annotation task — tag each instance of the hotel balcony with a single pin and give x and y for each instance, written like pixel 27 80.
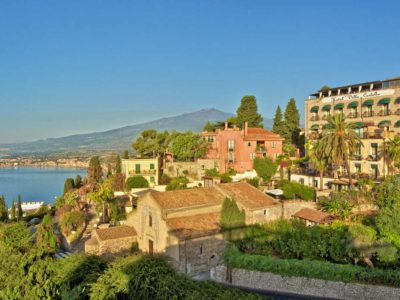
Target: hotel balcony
pixel 356 157
pixel 353 115
pixel 143 172
pixel 384 113
pixel 368 114
pixel 373 135
pixel 373 157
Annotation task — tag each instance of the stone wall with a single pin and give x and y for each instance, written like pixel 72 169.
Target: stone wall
pixel 290 207
pixel 201 254
pixel 196 169
pixel 116 246
pixel 303 286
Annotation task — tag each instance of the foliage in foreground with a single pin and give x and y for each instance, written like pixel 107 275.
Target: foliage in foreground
pixel 152 277
pixel 293 190
pixel 310 268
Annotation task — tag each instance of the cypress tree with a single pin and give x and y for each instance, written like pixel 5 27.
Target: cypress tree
pixel 118 167
pixel 13 217
pixel 69 185
pixel 78 182
pixel 94 172
pixel 277 127
pixel 3 210
pixel 291 128
pixel 247 112
pixel 20 213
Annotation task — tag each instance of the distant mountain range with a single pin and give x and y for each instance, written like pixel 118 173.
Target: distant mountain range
pixel 115 139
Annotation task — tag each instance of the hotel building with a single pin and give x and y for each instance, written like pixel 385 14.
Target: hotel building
pixel 373 107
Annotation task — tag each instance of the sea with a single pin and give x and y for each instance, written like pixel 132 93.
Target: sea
pixel 35 184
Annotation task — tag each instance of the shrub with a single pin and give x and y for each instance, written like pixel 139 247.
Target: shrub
pixel 72 221
pixel 265 167
pixel 177 183
pixel 134 248
pixel 136 182
pixel 254 182
pixel 310 268
pixel 293 189
pixel 231 215
pixel 165 179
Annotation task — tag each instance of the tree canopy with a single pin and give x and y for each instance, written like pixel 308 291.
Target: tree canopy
pixel 291 127
pixel 247 112
pixel 151 143
pixel 94 171
pixel 265 167
pixel 278 124
pixel 188 146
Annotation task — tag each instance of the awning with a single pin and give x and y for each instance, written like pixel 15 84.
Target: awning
pixel 353 104
pixel 384 123
pixel 359 124
pixel 314 109
pixel 397 124
pixel 397 101
pixel 326 107
pixel 368 103
pixel 327 126
pixel 384 101
pixel 315 127
pixel 339 106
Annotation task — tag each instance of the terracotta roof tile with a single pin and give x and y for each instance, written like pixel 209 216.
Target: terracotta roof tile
pixel 188 197
pixel 247 195
pixel 261 134
pixel 312 215
pixel 115 232
pixel 195 226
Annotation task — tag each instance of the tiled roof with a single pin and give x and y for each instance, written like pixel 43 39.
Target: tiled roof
pixel 115 232
pixel 312 215
pixel 195 226
pixel 188 198
pixel 247 195
pixel 261 134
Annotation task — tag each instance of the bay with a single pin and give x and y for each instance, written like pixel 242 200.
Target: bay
pixel 35 184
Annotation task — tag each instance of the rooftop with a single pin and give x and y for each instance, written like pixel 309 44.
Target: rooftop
pixel 117 232
pixel 312 215
pixel 195 226
pixel 247 195
pixel 261 134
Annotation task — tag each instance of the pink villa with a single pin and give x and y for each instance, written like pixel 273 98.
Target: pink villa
pixel 236 148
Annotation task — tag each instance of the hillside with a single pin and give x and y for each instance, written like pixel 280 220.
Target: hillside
pixel 115 139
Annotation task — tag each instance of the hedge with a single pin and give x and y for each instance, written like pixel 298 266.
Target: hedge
pixel 310 268
pixel 292 189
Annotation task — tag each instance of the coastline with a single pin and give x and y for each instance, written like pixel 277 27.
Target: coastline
pixel 43 163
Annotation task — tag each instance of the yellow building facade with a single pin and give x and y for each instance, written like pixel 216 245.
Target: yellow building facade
pixel 373 107
pixel 149 168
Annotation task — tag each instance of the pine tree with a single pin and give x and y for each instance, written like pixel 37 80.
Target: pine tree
pixel 13 217
pixel 247 112
pixel 78 182
pixel 20 213
pixel 125 154
pixel 291 128
pixel 118 167
pixel 94 172
pixel 278 125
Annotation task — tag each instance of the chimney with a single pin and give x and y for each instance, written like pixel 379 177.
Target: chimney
pixel 226 125
pixel 245 128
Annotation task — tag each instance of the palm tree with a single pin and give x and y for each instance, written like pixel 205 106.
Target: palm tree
pixel 339 141
pixel 392 151
pixel 319 161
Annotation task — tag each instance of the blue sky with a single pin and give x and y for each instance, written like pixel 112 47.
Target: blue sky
pixel 80 66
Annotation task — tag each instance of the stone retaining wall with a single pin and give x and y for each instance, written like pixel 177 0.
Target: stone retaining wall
pixel 303 286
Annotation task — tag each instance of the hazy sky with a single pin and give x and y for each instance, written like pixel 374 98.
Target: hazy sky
pixel 80 66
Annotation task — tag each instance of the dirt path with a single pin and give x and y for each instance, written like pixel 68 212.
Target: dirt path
pixel 91 220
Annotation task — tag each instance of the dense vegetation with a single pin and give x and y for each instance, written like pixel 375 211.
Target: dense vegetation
pixel 28 271
pixel 135 182
pixel 292 190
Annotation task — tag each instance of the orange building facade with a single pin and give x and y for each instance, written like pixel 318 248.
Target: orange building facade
pixel 236 148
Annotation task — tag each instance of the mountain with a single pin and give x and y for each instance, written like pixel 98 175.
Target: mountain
pixel 115 139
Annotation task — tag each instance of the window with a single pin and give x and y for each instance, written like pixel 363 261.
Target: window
pixel 137 168
pixel 357 168
pixel 252 156
pixel 231 157
pixel 231 145
pixel 315 183
pixel 301 181
pixel 248 144
pixel 201 250
pixel 265 212
pixel 152 167
pixel 150 221
pixel 152 179
pixel 273 144
pixel 210 139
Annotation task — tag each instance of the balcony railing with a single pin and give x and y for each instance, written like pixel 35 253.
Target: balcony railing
pixel 368 114
pixel 384 113
pixel 261 149
pixel 373 157
pixel 353 115
pixel 357 157
pixel 372 135
pixel 142 172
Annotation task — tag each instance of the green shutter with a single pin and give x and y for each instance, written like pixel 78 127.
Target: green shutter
pixel 339 106
pixel 137 168
pixel 384 101
pixel 314 109
pixel 151 166
pixel 368 103
pixel 397 124
pixel 384 123
pixel 397 100
pixel 315 127
pixel 358 124
pixel 326 107
pixel 152 179
pixel 327 126
pixel 353 104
